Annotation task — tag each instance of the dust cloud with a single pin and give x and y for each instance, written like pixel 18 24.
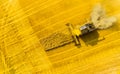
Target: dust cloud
pixel 99 18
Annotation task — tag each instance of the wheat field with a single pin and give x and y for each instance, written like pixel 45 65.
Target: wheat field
pixel 23 23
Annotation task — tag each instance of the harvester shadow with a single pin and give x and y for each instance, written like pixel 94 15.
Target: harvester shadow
pixel 91 38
